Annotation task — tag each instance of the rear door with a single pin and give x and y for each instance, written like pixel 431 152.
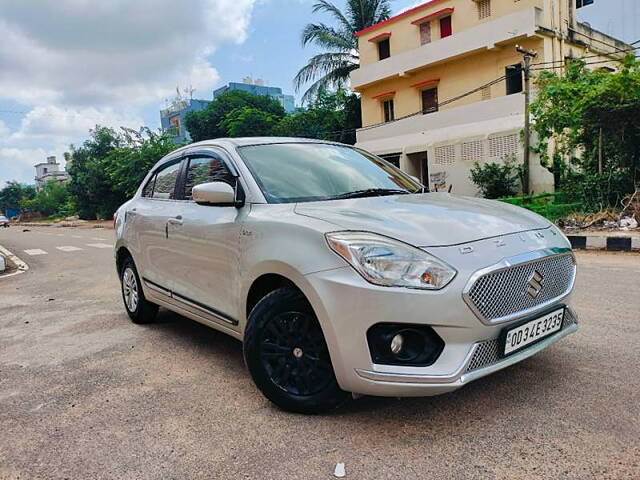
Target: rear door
pixel 206 267
pixel 153 214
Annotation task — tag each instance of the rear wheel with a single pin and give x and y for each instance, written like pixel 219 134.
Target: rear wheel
pixel 287 355
pixel 140 310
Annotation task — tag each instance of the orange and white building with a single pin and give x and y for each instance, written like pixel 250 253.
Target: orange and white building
pixel 421 74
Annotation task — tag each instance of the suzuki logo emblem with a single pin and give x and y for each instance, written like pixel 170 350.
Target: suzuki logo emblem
pixel 534 284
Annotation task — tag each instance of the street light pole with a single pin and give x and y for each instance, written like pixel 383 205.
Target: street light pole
pixel 527 55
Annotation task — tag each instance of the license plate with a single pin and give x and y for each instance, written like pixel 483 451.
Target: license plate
pixel 528 333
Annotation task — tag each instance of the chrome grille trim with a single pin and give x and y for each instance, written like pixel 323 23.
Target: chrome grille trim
pixel 488 352
pixel 498 294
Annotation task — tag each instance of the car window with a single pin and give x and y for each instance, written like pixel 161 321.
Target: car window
pixel 147 191
pixel 299 172
pixel 204 170
pixel 165 182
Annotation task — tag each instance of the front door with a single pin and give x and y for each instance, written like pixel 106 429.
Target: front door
pixel 206 269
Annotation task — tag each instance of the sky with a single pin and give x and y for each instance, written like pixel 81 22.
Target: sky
pixel 68 65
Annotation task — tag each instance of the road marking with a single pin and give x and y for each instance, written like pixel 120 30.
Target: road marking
pixel 35 251
pixel 99 245
pixel 60 234
pixel 97 238
pixel 68 248
pixel 76 236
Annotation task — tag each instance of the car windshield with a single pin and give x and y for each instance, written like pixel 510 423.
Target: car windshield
pixel 304 172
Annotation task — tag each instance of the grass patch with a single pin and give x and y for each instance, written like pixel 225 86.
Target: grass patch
pixel 552 206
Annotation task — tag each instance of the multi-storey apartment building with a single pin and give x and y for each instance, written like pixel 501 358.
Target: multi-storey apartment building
pixel 425 79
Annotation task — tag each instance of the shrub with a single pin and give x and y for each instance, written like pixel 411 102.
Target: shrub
pixel 496 180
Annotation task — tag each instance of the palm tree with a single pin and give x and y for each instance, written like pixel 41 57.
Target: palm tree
pixel 331 69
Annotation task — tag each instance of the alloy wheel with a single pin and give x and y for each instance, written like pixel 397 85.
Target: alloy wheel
pixel 130 289
pixel 295 355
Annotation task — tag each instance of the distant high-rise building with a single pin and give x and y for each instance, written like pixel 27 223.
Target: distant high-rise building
pixel 172 118
pixel 258 87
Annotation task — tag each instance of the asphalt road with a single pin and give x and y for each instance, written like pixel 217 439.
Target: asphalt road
pixel 86 394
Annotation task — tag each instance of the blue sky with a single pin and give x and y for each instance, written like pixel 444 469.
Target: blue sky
pixel 115 63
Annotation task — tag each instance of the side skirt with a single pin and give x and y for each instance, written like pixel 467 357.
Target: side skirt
pixel 204 313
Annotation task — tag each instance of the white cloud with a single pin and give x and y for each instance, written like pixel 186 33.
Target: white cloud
pixel 54 124
pixel 77 63
pixel 81 52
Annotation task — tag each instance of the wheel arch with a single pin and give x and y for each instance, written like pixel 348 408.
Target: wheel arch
pixel 268 275
pixel 122 253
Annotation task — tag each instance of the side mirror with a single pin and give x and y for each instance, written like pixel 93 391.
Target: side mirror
pixel 214 193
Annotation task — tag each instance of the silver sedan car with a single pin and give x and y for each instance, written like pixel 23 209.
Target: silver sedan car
pixel 337 271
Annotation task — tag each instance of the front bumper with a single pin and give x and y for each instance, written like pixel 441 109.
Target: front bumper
pixel 347 306
pixel 474 366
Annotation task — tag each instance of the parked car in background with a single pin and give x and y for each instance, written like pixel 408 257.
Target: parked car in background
pixel 4 221
pixel 338 273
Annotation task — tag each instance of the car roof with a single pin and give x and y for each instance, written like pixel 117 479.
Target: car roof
pixel 245 141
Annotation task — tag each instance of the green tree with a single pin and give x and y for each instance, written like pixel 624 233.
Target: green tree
pixel 90 184
pixel 330 116
pixel 208 122
pixel 107 168
pixel 128 164
pixel 331 69
pixel 14 194
pixel 52 199
pixel 592 119
pixel 248 122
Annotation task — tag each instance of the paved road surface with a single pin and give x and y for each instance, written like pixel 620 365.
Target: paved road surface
pixel 84 393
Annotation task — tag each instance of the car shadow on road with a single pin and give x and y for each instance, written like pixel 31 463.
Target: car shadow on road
pixel 504 391
pixel 190 333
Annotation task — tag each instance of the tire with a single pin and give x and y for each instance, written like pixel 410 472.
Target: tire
pixel 139 309
pixel 287 355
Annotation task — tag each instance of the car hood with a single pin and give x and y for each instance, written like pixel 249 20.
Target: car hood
pixel 426 220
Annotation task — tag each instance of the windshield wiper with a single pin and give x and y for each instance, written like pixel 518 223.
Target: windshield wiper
pixel 370 192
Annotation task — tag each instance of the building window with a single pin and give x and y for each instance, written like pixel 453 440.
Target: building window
pixel 504 145
pixel 583 3
pixel 425 33
pixel 430 100
pixel 384 49
pixel 514 78
pixel 387 109
pixel 44 170
pixel 445 155
pixel 484 9
pixel 445 27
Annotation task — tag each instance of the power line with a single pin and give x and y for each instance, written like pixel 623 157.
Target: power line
pixel 595 56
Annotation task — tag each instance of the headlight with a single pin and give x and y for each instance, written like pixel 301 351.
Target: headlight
pixel 391 263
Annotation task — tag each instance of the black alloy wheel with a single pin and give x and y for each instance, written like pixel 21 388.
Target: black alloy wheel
pixel 287 355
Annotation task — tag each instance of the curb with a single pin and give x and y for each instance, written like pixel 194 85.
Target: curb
pixel 22 266
pixel 610 243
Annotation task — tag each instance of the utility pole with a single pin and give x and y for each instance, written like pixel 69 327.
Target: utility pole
pixel 527 55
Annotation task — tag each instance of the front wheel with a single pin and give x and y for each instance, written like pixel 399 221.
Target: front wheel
pixel 287 355
pixel 140 310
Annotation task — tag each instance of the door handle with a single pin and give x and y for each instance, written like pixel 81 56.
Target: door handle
pixel 177 220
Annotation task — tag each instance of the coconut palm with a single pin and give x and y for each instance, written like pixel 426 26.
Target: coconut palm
pixel 331 69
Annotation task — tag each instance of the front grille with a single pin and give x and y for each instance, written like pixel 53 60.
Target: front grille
pixel 502 294
pixel 488 352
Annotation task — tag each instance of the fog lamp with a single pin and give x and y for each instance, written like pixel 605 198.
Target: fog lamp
pixel 397 342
